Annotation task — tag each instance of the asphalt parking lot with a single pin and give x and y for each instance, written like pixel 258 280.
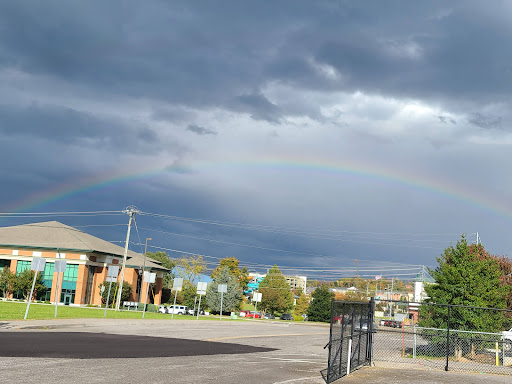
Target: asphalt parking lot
pixel 186 351
pixel 136 351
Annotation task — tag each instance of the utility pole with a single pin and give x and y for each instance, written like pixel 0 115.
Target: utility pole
pixel 357 279
pixel 144 265
pixel 477 239
pixel 131 211
pixel 391 302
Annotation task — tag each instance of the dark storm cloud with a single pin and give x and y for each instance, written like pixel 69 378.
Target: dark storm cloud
pixel 200 130
pixel 257 105
pixel 69 126
pixel 201 53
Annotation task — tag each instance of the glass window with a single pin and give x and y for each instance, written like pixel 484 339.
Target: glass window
pixel 47 277
pixel 67 295
pixel 22 265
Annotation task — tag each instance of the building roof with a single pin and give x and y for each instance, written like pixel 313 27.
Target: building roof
pixel 58 236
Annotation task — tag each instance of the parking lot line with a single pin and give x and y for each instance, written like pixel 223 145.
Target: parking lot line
pixel 260 336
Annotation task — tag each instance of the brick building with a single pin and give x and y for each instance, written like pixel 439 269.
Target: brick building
pixel 87 257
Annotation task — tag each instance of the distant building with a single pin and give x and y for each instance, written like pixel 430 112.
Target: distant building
pixel 343 290
pixel 296 282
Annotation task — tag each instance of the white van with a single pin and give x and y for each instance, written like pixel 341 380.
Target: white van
pixel 178 309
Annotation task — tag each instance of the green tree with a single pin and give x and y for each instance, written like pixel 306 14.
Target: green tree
pixel 24 282
pixel 232 263
pixel 320 306
pixel 163 258
pixel 466 276
pixel 276 293
pixel 7 281
pixel 188 294
pixel 233 296
pixel 301 306
pixel 125 295
pixel 190 268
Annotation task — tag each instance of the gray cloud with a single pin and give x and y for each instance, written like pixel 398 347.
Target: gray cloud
pixel 486 121
pixel 69 126
pixel 200 130
pixel 257 105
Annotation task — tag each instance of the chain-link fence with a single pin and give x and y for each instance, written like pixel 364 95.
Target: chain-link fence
pixel 350 338
pixel 450 337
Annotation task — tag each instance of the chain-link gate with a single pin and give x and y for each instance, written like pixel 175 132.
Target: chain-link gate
pixel 350 340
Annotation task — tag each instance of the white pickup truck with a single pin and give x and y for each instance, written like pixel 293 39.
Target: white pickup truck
pixel 507 338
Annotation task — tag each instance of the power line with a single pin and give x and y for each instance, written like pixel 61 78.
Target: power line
pixel 248 245
pixel 254 226
pixel 303 233
pixel 286 268
pixel 35 214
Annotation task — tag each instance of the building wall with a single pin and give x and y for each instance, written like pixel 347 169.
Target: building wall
pixel 83 261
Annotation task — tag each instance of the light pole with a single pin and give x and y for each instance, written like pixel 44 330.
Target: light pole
pixel 144 265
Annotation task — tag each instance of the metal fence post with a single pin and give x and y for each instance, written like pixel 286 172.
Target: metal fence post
pixel 371 319
pixel 448 337
pixel 330 344
pixel 414 342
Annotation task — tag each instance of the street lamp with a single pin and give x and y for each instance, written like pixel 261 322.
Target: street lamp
pixel 144 265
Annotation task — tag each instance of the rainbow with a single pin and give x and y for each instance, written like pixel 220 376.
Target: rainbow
pixel 366 171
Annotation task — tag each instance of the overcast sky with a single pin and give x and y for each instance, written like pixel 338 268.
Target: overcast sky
pixel 381 129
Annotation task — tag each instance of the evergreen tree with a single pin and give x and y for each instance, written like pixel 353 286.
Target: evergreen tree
pixel 276 293
pixel 320 306
pixel 466 276
pixel 231 299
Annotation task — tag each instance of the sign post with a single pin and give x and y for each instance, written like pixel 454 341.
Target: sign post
pixel 201 290
pixel 223 288
pixel 177 285
pixel 60 266
pixel 149 278
pixel 256 297
pixel 37 265
pixel 112 273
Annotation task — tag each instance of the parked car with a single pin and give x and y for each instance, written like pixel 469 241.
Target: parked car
pixel 255 315
pixel 393 323
pixel 286 316
pixel 162 309
pixel 177 309
pixel 269 316
pixel 363 326
pixel 244 313
pixel 507 340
